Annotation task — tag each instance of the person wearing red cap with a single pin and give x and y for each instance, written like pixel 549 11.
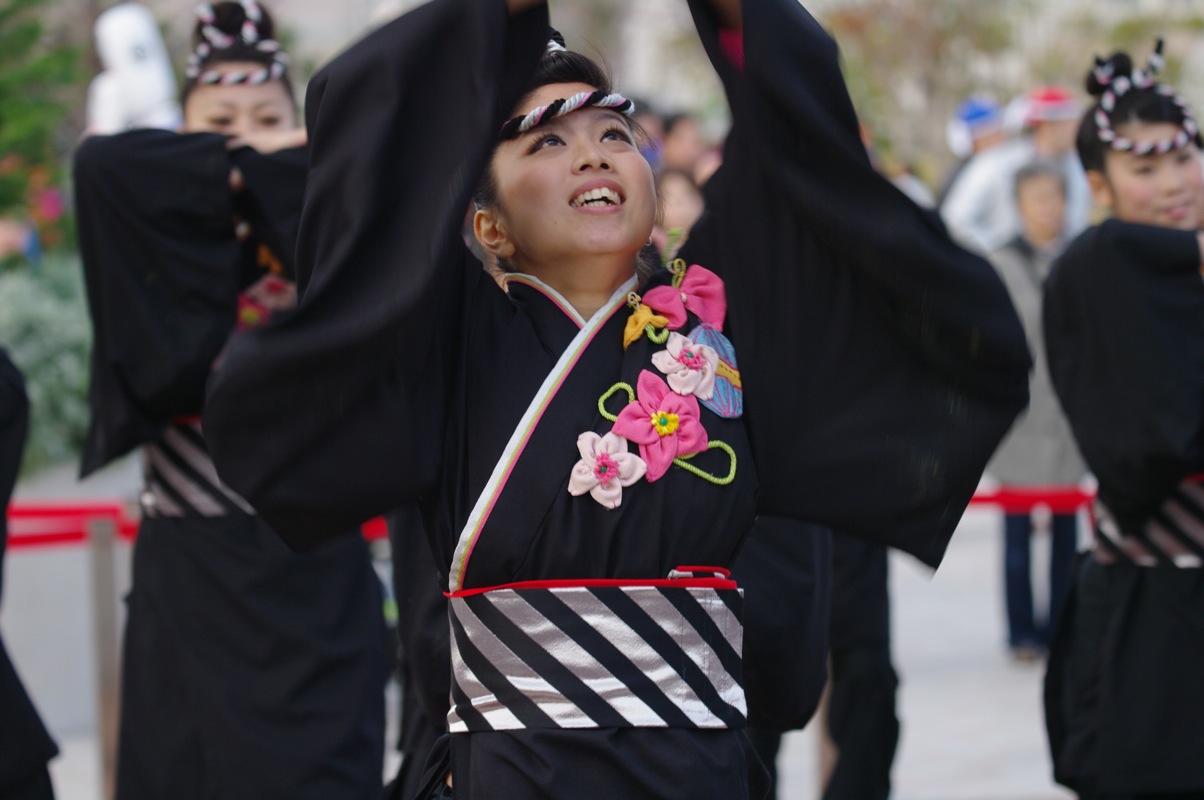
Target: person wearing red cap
pixel 980 208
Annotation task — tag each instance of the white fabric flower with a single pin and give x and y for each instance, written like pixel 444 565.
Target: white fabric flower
pixel 605 468
pixel 688 367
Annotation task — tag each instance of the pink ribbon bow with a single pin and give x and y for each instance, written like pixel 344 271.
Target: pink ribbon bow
pixel 701 291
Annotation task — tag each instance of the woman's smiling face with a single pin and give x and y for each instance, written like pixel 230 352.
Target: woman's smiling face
pixel 575 186
pixel 1155 189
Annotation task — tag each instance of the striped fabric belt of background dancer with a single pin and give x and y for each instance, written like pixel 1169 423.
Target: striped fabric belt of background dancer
pixel 605 654
pixel 180 479
pixel 1174 536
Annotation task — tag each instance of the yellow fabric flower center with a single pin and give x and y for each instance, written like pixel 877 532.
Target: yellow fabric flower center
pixel 664 422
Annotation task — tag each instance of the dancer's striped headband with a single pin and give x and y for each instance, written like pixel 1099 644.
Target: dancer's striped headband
pixel 216 39
pixel 519 125
pixel 1119 85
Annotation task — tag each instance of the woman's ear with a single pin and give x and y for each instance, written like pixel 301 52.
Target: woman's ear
pixel 1101 190
pixel 490 231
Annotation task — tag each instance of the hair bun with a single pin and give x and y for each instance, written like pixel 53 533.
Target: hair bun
pixel 246 22
pixel 1100 78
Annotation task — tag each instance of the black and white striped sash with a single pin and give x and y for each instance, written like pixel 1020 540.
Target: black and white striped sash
pixel 1174 536
pixel 179 479
pixel 598 654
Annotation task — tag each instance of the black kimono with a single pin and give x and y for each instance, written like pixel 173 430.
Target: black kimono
pixel 1124 330
pixel 875 367
pixel 25 746
pixel 248 670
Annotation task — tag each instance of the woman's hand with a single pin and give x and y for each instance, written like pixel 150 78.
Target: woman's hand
pixel 270 141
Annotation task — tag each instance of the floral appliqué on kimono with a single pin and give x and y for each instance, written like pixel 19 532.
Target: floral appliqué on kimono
pixel 664 418
pixel 689 367
pixel 605 468
pixel 664 424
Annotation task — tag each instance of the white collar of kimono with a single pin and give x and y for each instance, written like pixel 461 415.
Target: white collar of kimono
pixel 556 297
pixel 530 419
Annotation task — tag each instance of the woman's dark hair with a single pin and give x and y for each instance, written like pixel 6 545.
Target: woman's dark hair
pixel 230 19
pixel 1139 104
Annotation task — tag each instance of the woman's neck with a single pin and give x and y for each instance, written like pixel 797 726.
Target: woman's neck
pixel 587 283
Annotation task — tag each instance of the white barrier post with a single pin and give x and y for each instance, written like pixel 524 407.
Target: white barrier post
pixel 102 537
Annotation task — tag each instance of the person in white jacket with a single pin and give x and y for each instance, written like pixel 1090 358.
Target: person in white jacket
pixel 137 88
pixel 980 209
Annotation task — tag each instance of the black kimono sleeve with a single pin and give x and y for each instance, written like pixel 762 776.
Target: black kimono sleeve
pixel 1124 331
pixel 163 268
pixel 156 231
pixel 881 362
pixel 271 201
pixel 336 414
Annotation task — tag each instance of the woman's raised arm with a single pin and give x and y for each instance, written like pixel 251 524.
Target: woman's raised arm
pixel 881 362
pixel 336 414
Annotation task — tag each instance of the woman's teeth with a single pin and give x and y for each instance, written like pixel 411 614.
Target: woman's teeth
pixel 597 197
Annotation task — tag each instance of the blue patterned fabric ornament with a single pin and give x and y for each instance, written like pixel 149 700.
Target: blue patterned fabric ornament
pixel 728 399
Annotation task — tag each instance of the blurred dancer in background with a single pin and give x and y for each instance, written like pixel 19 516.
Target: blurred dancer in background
pixel 248 670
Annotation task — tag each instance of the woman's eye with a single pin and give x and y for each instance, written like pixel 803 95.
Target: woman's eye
pixel 547 140
pixel 616 135
pixel 221 122
pixel 269 122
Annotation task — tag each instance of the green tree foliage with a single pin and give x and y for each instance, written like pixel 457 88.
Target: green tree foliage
pixel 35 73
pixel 44 326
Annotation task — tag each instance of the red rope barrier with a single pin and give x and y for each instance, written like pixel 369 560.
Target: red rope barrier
pixel 1013 500
pixel 48 524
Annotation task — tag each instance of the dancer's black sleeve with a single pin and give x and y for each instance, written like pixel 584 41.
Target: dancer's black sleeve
pixel 337 414
pixel 882 363
pixel 1124 331
pixel 163 268
pixel 155 216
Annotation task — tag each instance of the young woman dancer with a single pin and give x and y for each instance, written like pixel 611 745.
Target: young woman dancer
pixel 1124 330
pixel 591 446
pixel 248 670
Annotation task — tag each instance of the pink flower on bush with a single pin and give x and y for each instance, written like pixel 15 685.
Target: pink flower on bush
pixel 689 367
pixel 605 468
pixel 663 423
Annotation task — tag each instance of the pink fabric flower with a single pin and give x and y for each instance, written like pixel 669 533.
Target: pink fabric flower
pixel 701 291
pixel 664 424
pixel 605 468
pixel 690 367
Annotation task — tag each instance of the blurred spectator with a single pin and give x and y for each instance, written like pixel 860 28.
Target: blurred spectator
pixel 681 206
pixel 1040 450
pixel 980 208
pixel 683 142
pixel 977 126
pixel 650 122
pixel 137 88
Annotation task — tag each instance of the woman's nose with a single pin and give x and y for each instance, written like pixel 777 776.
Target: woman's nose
pixel 590 157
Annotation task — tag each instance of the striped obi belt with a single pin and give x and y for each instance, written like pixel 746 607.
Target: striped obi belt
pixel 599 654
pixel 179 479
pixel 1173 536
